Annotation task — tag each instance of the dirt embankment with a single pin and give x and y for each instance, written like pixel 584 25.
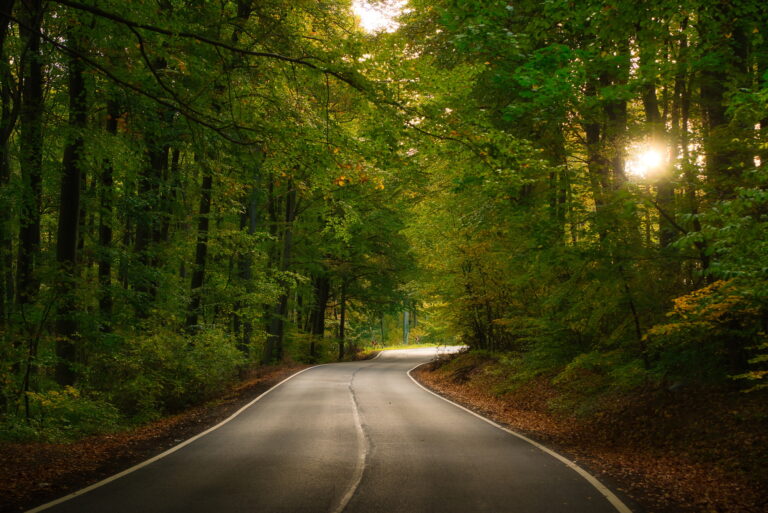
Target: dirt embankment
pixel 34 473
pixel 688 450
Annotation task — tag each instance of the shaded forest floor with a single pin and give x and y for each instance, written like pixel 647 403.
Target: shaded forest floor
pixel 692 450
pixel 35 473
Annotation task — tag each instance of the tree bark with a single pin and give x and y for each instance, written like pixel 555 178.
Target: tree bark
pixel 201 247
pixel 727 45
pixel 105 226
pixel 342 318
pixel 147 224
pixel 616 120
pixel 321 286
pixel 597 166
pixel 7 123
pixel 273 348
pixel 248 224
pixel 66 327
pixel 31 156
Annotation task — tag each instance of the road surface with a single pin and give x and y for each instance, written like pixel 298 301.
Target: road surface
pixel 352 437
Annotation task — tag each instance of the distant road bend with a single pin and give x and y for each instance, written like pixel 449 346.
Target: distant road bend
pixel 352 437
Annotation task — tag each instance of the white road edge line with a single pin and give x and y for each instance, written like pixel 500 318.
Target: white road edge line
pixel 608 494
pixel 166 453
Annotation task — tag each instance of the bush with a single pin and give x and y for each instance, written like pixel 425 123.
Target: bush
pixel 708 335
pixel 60 415
pixel 166 371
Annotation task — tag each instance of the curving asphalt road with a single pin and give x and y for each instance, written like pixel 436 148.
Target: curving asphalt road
pixel 352 437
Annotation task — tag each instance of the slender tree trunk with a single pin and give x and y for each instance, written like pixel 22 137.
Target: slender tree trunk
pixel 7 123
pixel 555 145
pixel 597 166
pixel 615 133
pixel 31 157
pixel 169 195
pixel 383 329
pixel 762 136
pixel 727 47
pixel 406 326
pixel 690 177
pixel 712 95
pixel 201 247
pixel 321 286
pixel 248 223
pixel 69 224
pixel 6 10
pixel 6 240
pixel 127 241
pixel 273 348
pixel 30 163
pixel 147 222
pixel 342 318
pixel 105 226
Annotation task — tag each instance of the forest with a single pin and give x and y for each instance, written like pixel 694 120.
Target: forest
pixel 192 189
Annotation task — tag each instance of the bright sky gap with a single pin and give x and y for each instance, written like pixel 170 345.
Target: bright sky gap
pixel 378 16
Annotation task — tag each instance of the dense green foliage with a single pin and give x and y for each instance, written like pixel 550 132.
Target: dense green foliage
pixel 187 189
pixel 191 188
pixel 596 202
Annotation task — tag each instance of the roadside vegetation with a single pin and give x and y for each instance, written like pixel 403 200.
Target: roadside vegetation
pixel 188 192
pixel 593 221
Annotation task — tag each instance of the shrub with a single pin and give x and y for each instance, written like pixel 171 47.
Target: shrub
pixel 60 415
pixel 166 371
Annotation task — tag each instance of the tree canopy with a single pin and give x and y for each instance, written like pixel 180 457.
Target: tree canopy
pixel 190 189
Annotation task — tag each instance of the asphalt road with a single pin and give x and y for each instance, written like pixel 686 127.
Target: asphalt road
pixel 352 437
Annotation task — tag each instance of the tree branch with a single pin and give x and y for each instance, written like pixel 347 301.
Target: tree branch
pixel 183 109
pixel 203 39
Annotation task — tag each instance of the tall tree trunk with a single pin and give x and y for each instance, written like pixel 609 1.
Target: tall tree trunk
pixel 690 177
pixel 727 45
pixel 712 95
pixel 105 225
pixel 557 182
pixel 69 225
pixel 31 156
pixel 169 196
pixel 321 286
pixel 273 348
pixel 762 73
pixel 248 224
pixel 147 224
pixel 597 166
pixel 201 247
pixel 31 167
pixel 7 122
pixel 406 326
pixel 615 110
pixel 342 318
